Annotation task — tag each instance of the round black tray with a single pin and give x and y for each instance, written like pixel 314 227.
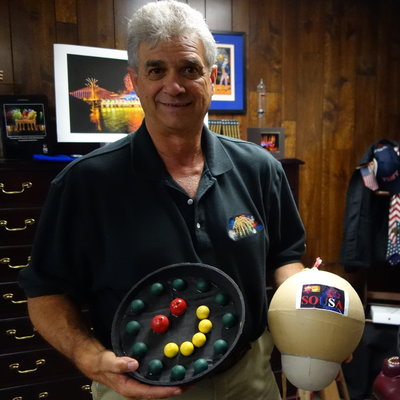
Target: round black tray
pixel 198 284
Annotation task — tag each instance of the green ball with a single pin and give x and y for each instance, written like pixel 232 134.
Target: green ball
pixel 179 284
pixel 137 305
pixel 138 350
pixel 133 327
pixel 228 320
pixel 200 365
pixel 203 285
pixel 178 372
pixel 221 299
pixel 155 367
pixel 157 288
pixel 220 346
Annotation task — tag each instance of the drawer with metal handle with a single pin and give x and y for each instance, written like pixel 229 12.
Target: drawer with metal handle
pixel 72 388
pixel 34 365
pixel 17 226
pixel 27 187
pixel 18 334
pixel 12 260
pixel 12 300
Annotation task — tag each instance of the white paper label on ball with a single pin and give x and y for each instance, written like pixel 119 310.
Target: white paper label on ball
pixel 322 297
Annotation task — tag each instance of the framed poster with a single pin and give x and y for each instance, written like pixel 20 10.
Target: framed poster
pixel 229 92
pixel 95 100
pixel 23 125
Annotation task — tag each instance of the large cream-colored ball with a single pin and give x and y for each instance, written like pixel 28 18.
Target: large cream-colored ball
pixel 317 320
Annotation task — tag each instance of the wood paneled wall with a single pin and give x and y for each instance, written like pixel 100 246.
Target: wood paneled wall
pixel 331 67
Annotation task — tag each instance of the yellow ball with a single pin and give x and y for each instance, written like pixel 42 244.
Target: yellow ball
pixel 202 312
pixel 171 350
pixel 199 339
pixel 205 325
pixel 187 348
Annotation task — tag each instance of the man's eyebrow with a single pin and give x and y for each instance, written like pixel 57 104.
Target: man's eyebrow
pixel 153 63
pixel 192 61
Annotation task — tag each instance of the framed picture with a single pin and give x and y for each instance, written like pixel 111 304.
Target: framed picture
pixel 271 139
pixel 95 100
pixel 229 93
pixel 23 125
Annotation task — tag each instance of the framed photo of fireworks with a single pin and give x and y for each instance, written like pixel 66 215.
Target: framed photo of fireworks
pixel 271 139
pixel 229 91
pixel 23 125
pixel 95 99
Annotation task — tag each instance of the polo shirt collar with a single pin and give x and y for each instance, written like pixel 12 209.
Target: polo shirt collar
pixel 147 162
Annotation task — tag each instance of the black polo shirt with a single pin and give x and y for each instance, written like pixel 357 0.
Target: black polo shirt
pixel 115 215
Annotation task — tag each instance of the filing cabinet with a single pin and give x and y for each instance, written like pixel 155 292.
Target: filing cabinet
pixel 29 367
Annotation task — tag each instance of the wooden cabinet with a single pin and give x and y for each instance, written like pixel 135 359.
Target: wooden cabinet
pixel 29 367
pixel 291 167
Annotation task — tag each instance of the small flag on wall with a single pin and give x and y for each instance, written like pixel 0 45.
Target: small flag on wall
pixel 368 176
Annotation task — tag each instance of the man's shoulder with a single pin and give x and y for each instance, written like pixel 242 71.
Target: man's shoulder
pixel 247 151
pixel 103 158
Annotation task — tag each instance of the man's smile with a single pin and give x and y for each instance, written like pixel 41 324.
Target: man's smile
pixel 177 105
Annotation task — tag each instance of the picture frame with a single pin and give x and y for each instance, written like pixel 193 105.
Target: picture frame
pixel 271 139
pixel 24 126
pixel 95 100
pixel 229 91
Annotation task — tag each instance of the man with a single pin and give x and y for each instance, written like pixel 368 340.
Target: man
pixel 171 192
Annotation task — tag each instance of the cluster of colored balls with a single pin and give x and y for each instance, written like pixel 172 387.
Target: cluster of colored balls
pixel 161 323
pixel 198 339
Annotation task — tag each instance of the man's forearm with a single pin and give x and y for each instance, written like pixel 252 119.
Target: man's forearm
pixel 286 271
pixel 62 324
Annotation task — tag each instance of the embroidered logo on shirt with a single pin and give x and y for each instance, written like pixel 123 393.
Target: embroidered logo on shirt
pixel 243 226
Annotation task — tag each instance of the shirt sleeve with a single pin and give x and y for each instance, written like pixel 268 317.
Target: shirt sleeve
pixel 287 232
pixel 56 265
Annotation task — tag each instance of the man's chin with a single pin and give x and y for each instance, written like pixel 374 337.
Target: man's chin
pixel 182 123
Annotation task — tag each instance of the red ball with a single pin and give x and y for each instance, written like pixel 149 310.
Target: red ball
pixel 178 306
pixel 159 324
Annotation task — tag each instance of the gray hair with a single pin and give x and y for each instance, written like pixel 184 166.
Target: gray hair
pixel 163 20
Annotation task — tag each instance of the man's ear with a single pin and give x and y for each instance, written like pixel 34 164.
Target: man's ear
pixel 213 74
pixel 134 77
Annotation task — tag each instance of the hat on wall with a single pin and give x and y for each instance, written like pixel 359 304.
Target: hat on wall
pixel 388 168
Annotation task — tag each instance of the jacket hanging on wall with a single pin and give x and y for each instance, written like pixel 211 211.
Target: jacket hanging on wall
pixel 373 184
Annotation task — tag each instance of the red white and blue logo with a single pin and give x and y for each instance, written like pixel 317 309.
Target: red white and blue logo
pixel 322 297
pixel 243 226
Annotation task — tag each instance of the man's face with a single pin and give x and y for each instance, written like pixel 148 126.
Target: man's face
pixel 173 84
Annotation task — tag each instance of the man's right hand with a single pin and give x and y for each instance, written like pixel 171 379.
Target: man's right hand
pixel 61 323
pixel 111 370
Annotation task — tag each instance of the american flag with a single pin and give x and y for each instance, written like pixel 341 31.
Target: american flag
pixel 368 176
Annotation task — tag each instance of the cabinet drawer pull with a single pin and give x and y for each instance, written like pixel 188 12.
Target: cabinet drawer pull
pixel 87 388
pixel 24 185
pixel 42 395
pixel 38 363
pixel 7 260
pixel 28 221
pixel 10 296
pixel 13 332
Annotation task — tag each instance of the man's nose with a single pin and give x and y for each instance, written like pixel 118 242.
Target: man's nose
pixel 173 84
